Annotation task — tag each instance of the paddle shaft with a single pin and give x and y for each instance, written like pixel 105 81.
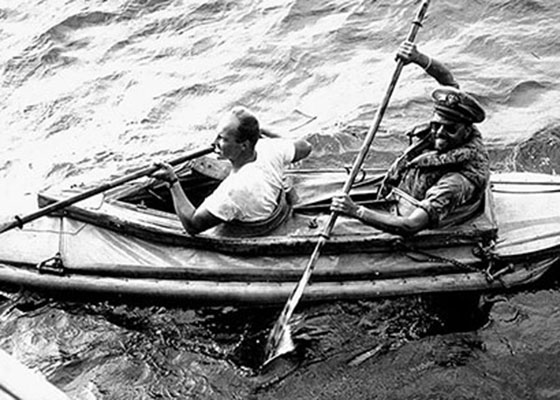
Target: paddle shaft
pixel 20 221
pixel 277 331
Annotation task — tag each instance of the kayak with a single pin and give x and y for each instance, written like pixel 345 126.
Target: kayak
pixel 128 243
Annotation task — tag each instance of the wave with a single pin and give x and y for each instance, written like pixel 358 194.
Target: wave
pixel 518 94
pixel 541 152
pixel 48 51
pixel 516 8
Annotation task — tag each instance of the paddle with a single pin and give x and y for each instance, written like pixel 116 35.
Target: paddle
pixel 59 205
pixel 280 341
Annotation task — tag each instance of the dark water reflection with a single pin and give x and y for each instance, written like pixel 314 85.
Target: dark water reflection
pixel 499 346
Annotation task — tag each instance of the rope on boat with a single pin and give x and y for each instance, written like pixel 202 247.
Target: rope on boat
pixel 410 252
pixel 485 253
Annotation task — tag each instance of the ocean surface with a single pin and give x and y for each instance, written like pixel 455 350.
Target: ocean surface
pixel 93 89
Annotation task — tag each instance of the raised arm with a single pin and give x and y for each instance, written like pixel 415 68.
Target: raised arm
pixel 409 53
pixel 302 146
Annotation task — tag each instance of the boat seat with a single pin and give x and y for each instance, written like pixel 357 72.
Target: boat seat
pixel 211 167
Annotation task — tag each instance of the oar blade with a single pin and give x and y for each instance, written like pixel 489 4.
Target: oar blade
pixel 8 226
pixel 279 342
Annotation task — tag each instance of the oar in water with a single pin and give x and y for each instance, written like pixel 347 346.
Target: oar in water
pixel 59 205
pixel 280 341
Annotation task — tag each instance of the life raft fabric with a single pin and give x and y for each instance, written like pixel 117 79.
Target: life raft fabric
pixel 298 235
pixel 528 224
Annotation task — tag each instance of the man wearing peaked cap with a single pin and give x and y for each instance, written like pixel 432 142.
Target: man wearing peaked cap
pixel 453 105
pixel 454 113
pixel 441 178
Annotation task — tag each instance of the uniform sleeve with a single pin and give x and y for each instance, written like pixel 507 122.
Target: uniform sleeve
pixel 450 192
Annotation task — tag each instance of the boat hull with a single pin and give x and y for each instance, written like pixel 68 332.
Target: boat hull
pixel 266 293
pixel 72 256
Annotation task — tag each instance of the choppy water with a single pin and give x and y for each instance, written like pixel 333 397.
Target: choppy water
pixel 90 89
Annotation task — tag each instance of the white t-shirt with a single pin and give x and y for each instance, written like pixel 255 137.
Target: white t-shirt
pixel 251 193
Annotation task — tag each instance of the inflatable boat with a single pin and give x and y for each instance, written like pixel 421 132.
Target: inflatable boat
pixel 128 243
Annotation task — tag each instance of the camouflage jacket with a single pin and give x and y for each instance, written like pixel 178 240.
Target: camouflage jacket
pixel 421 167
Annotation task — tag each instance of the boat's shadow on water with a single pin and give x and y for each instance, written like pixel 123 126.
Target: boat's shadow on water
pixel 353 342
pixel 353 333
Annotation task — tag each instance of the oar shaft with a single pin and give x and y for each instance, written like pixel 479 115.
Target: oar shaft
pixel 356 167
pixel 277 332
pixel 20 221
pixel 280 327
pixel 416 24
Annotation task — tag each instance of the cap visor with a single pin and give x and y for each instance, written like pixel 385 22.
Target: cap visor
pixel 441 119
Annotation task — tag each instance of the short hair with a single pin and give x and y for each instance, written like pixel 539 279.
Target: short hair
pixel 248 128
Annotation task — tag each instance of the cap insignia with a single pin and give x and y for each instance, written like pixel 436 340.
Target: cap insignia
pixel 451 99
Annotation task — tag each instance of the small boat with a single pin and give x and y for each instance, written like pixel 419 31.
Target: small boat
pixel 129 243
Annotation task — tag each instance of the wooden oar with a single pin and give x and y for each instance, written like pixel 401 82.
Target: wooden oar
pixel 280 341
pixel 59 205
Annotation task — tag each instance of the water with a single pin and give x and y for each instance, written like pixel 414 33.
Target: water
pixel 92 89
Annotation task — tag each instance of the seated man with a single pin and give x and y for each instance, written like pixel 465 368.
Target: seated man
pixel 252 191
pixel 446 171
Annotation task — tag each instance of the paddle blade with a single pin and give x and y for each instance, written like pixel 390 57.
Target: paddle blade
pixel 8 226
pixel 279 342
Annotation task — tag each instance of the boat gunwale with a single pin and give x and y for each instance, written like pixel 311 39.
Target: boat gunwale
pixel 163 227
pixel 376 242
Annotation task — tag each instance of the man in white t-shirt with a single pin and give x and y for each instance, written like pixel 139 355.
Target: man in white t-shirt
pixel 252 190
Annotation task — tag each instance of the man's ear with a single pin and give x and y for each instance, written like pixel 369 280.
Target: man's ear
pixel 470 132
pixel 245 144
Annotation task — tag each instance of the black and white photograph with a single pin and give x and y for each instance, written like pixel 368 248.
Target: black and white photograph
pixel 279 199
